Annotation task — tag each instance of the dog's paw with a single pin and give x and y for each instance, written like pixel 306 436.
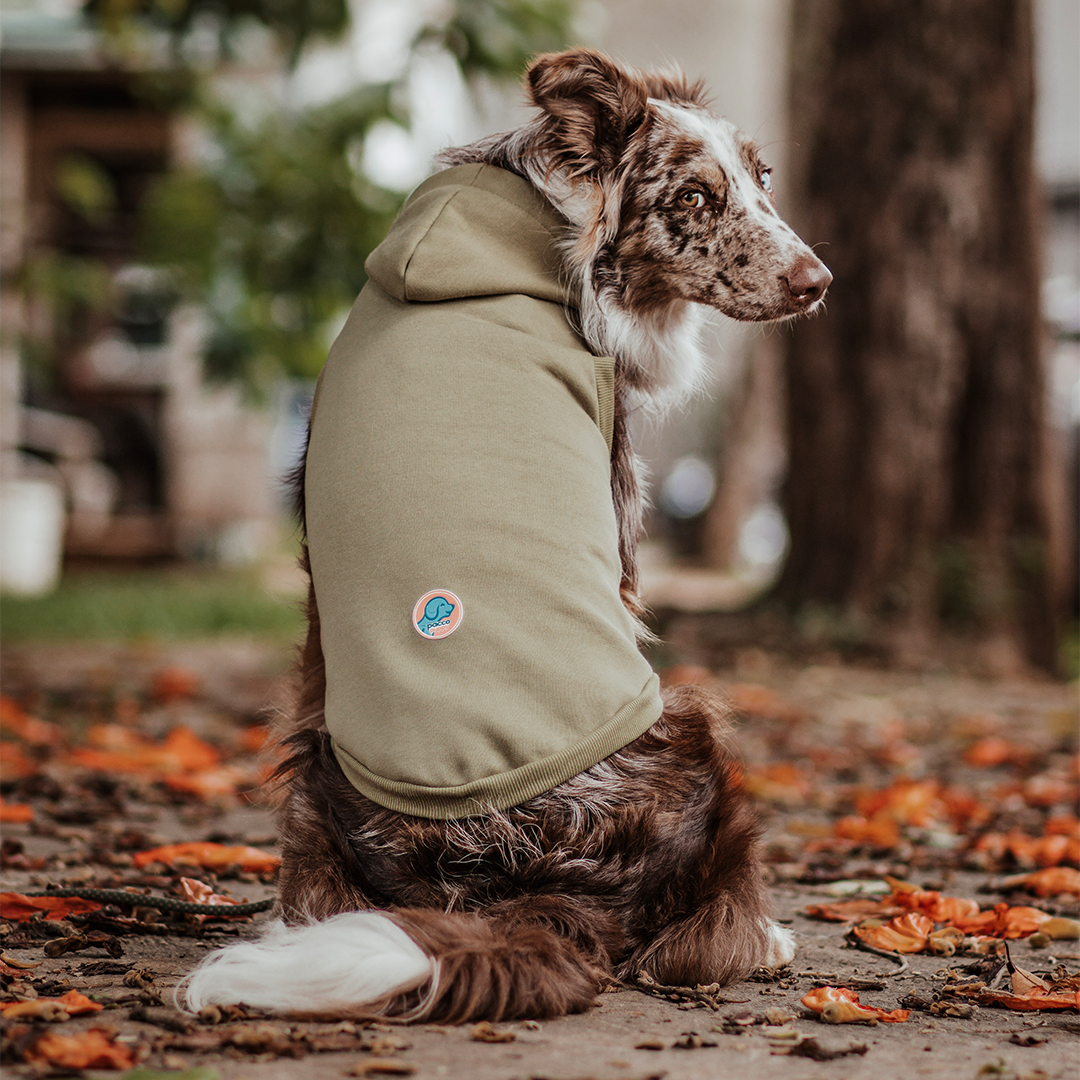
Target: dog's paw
pixel 781 945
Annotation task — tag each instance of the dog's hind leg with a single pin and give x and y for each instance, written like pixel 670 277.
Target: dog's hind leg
pixel 320 873
pixel 719 943
pixel 700 914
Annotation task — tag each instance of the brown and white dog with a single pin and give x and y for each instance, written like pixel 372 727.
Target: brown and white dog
pixel 648 861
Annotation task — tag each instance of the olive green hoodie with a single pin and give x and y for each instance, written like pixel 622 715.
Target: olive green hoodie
pixel 460 521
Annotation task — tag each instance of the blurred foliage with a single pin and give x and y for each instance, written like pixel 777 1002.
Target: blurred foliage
pixel 86 187
pixel 152 605
pixel 293 22
pixel 499 37
pixel 272 236
pixel 63 289
pixel 269 230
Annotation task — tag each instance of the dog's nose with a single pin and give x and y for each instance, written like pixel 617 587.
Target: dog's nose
pixel 807 281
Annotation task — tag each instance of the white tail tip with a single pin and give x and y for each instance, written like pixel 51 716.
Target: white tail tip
pixel 781 946
pixel 348 961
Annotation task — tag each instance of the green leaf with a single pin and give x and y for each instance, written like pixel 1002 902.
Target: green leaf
pixel 86 187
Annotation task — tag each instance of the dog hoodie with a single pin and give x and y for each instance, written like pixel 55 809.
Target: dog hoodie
pixel 462 534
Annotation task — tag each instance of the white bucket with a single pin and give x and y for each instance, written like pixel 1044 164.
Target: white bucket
pixel 31 536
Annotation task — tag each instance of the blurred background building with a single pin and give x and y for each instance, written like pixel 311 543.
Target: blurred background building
pixel 142 418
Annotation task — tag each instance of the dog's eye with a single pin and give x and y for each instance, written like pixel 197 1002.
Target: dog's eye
pixel 766 180
pixel 694 199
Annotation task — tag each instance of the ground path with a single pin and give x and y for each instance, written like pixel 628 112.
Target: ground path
pixel 815 737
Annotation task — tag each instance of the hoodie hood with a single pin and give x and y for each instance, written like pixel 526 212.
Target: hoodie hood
pixel 473 230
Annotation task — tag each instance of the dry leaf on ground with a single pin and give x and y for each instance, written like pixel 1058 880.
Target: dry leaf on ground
pixel 93 1049
pixel 15 813
pixel 19 908
pixel 208 855
pixel 486 1032
pixel 1051 881
pixel 70 1004
pixel 839 1005
pixel 908 933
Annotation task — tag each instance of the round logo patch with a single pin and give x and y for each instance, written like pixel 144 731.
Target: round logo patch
pixel 437 614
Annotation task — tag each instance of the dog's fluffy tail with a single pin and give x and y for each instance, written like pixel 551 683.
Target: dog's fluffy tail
pixel 414 964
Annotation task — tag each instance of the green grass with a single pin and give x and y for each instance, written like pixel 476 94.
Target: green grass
pixel 173 604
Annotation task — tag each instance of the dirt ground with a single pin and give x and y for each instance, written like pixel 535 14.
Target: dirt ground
pixel 821 742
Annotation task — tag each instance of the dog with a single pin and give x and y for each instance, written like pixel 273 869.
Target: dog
pixel 572 260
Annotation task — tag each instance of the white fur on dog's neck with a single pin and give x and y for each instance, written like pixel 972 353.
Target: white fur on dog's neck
pixel 662 354
pixel 666 357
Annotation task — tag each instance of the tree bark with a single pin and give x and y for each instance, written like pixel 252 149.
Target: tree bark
pixel 918 492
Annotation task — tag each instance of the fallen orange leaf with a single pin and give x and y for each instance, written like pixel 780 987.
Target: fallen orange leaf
pixel 1031 1002
pixel 966 810
pixel 190 750
pixel 254 738
pixel 780 783
pixel 1004 922
pixel 73 1003
pixel 843 1005
pixel 15 763
pixel 174 684
pixel 29 728
pixel 1049 850
pixel 1022 921
pixel 208 855
pixel 1048 789
pixel 850 910
pixel 947 909
pixel 198 892
pixel 908 802
pixel 1063 825
pixel 940 908
pixel 19 908
pixel 93 1049
pixel 989 752
pixel 905 934
pixel 922 803
pixel 223 780
pixel 128 752
pixel 15 813
pixel 880 832
pixel 1051 881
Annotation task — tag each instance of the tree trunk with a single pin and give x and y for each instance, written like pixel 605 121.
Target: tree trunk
pixel 918 492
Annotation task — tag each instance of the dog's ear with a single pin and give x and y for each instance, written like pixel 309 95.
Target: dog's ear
pixel 594 105
pixel 674 86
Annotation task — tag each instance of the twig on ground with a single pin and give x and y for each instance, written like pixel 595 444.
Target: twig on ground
pixel 895 957
pixel 709 996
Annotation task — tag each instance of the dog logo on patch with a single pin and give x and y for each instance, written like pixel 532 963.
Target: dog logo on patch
pixel 437 614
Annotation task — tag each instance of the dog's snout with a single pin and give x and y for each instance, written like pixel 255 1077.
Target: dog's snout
pixel 807 281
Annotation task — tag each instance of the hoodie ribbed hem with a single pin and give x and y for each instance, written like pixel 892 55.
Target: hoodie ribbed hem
pixel 503 790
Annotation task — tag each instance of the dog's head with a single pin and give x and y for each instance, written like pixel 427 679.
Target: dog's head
pixel 674 203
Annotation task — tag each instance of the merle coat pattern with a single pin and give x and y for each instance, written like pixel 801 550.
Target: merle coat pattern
pixel 648 861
